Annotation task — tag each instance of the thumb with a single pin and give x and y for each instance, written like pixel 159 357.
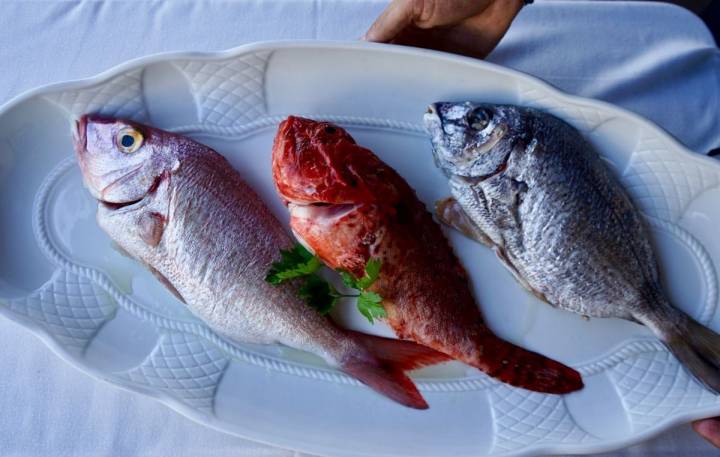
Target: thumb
pixel 709 429
pixel 396 17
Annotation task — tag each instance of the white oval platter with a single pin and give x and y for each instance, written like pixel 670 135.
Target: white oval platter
pixel 62 279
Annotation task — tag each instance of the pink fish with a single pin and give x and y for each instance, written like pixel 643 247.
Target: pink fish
pixel 178 207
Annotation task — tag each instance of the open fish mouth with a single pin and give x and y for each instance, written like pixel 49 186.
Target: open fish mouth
pixel 321 210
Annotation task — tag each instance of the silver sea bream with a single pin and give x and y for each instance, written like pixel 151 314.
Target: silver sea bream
pixel 528 185
pixel 178 207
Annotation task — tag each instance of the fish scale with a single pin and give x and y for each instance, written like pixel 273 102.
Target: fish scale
pixel 574 237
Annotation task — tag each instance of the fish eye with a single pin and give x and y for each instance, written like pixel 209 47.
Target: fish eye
pixel 330 129
pixel 479 118
pixel 129 140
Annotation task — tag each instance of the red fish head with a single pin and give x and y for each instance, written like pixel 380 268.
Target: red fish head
pixel 335 190
pixel 320 163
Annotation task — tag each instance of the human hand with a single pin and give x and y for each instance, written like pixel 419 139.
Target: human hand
pixel 469 27
pixel 709 429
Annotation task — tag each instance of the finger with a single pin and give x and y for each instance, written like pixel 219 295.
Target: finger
pixel 491 26
pixel 397 16
pixel 474 37
pixel 456 40
pixel 438 13
pixel 709 429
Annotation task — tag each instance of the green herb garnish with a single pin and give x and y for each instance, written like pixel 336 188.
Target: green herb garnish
pixel 369 303
pixel 319 294
pixel 294 263
pixel 372 271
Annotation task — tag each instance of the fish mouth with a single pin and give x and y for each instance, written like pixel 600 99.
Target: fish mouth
pixel 321 210
pixel 438 113
pixel 80 134
pixel 79 129
pixel 433 123
pixel 431 119
pixel 115 206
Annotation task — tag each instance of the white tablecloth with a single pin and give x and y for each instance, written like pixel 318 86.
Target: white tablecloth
pixel 654 59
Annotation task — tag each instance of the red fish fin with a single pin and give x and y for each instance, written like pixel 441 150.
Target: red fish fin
pixel 392 383
pixel 385 371
pixel 522 368
pixel 403 355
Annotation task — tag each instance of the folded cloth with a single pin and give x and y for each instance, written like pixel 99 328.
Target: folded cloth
pixel 654 59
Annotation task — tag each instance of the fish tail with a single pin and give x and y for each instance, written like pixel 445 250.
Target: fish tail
pixel 519 367
pixel 384 370
pixel 694 345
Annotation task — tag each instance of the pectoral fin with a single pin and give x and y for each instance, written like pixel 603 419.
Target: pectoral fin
pixel 502 255
pixel 166 282
pixel 451 213
pixel 151 226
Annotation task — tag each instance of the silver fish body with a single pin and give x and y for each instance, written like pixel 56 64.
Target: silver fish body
pixel 180 208
pixel 530 186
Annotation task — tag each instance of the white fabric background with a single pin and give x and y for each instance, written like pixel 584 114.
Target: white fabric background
pixel 654 59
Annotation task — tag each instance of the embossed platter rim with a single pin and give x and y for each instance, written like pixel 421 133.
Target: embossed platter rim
pixel 545 97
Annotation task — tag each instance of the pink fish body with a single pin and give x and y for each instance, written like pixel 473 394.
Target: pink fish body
pixel 180 208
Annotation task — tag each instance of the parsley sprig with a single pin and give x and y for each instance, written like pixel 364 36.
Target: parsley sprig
pixel 298 262
pixel 294 263
pixel 369 303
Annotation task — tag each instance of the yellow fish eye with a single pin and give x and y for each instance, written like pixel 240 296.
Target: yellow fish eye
pixel 129 140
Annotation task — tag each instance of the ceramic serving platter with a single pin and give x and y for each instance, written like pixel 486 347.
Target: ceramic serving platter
pixel 62 278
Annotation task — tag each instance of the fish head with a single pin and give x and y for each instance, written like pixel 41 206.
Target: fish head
pixel 332 188
pixel 472 139
pixel 319 163
pixel 121 161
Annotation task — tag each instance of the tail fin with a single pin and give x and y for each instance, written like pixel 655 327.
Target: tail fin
pixel 522 368
pixel 695 346
pixel 383 368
